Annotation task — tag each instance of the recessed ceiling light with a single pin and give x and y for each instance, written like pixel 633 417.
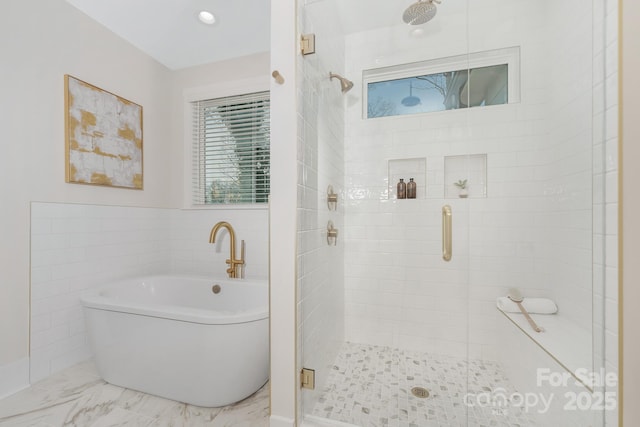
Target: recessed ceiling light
pixel 207 17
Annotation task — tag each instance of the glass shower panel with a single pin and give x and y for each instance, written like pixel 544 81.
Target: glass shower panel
pixel 320 281
pixel 534 233
pixel 396 334
pixel 392 348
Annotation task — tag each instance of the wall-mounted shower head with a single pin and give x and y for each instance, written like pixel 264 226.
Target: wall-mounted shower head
pixel 420 12
pixel 345 84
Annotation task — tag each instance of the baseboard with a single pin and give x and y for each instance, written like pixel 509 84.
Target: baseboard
pixel 14 377
pixel 277 421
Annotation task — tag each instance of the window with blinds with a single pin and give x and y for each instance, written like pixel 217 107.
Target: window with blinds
pixel 231 149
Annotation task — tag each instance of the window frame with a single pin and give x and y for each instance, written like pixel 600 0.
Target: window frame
pixel 217 90
pixel 509 56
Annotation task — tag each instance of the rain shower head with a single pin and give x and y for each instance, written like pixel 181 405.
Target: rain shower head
pixel 411 101
pixel 420 12
pixel 345 84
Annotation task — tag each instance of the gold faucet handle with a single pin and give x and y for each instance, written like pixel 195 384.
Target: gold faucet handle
pixel 242 248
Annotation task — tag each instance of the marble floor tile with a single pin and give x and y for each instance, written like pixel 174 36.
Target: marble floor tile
pixel 78 397
pixel 121 417
pixel 165 412
pixel 56 392
pixel 251 412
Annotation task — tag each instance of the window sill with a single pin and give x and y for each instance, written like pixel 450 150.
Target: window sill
pixel 223 207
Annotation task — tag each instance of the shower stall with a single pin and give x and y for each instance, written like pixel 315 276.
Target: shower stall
pixel 498 112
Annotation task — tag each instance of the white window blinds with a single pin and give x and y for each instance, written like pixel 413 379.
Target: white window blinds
pixel 231 149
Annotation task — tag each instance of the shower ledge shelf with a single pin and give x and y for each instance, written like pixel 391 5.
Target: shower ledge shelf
pixel 559 340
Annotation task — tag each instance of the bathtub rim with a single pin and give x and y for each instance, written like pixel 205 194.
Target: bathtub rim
pixel 92 299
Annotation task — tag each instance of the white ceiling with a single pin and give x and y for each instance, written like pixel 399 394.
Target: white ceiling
pixel 170 32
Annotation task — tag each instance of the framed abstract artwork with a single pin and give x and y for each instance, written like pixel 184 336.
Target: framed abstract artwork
pixel 103 136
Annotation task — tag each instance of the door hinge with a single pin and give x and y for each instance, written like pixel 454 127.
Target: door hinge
pixel 308 378
pixel 308 44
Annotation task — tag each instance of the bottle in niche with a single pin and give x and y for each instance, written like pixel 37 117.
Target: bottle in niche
pixel 411 189
pixel 402 189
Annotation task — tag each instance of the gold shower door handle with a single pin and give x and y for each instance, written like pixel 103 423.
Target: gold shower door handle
pixel 446 233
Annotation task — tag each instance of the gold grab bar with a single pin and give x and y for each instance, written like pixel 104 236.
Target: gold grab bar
pixel 446 233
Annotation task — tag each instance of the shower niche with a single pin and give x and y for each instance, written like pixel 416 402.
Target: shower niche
pixel 465 176
pixel 407 169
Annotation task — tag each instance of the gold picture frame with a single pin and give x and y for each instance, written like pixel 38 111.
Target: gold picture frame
pixel 103 137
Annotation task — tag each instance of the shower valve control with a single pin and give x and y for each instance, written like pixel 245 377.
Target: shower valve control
pixel 332 199
pixel 332 234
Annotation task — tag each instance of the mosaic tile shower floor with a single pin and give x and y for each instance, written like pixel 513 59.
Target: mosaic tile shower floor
pixel 371 386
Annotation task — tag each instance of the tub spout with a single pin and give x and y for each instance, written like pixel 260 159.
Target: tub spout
pixel 234 264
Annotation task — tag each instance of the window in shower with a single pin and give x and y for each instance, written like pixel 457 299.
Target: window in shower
pixel 231 158
pixel 475 80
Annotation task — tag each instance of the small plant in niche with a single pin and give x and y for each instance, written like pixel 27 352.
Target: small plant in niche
pixel 462 186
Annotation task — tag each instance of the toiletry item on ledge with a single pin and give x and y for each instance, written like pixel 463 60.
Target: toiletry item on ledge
pixel 411 189
pixel 515 296
pixel 401 189
pixel 532 305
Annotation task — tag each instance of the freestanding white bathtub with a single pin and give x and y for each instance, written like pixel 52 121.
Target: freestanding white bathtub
pixel 174 337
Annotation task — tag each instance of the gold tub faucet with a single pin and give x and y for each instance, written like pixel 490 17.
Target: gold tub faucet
pixel 234 264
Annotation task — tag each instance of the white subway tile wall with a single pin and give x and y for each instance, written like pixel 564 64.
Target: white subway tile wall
pixel 77 247
pixel 394 247
pixel 191 252
pixel 320 272
pixel 534 229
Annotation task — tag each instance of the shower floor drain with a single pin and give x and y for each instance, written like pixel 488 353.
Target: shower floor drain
pixel 420 392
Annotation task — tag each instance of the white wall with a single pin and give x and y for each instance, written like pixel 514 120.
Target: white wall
pixel 191 252
pixel 206 80
pixel 76 247
pixel 54 40
pixel 571 187
pixel 285 378
pixel 40 42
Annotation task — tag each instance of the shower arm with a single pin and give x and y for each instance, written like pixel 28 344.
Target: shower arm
pixel 345 84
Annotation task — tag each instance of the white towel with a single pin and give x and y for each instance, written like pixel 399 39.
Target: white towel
pixel 532 305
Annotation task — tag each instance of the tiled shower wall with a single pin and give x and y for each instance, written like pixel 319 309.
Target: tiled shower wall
pixel 77 247
pixel 570 189
pixel 580 97
pixel 533 231
pixel 320 266
pixel 399 290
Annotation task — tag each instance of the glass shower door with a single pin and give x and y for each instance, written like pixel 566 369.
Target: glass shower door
pixel 383 312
